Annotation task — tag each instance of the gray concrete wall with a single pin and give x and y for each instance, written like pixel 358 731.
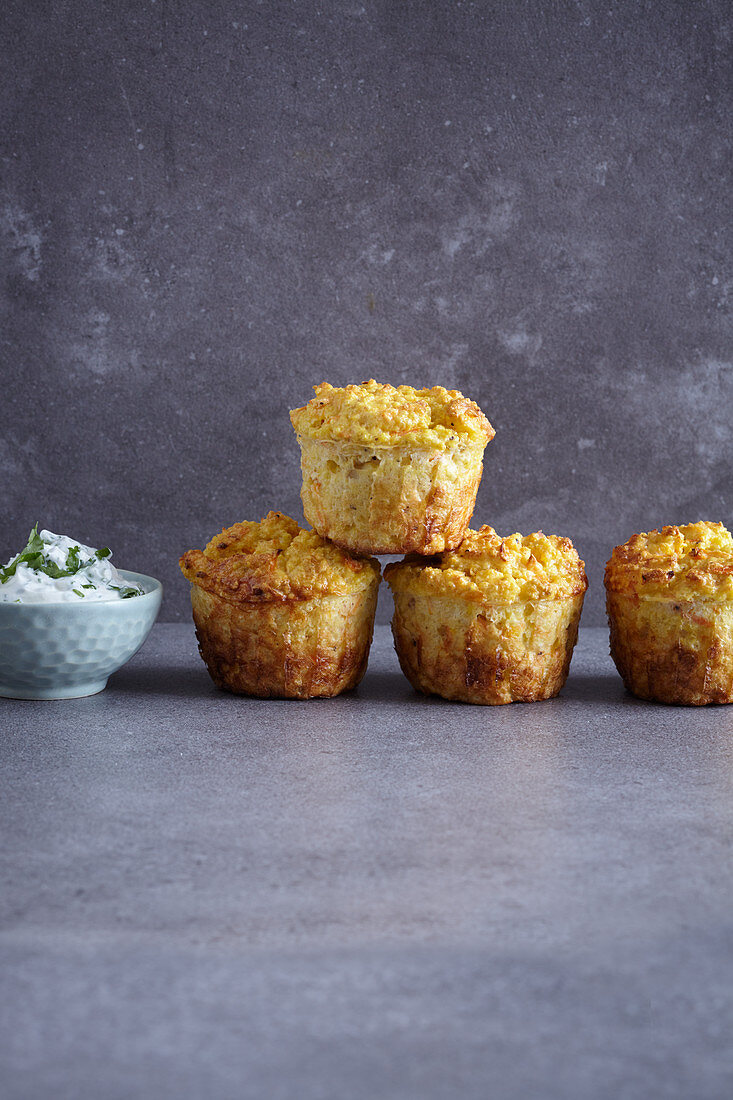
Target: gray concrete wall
pixel 207 207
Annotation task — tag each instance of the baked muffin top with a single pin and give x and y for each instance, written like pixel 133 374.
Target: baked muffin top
pixel 677 562
pixel 489 568
pixel 378 414
pixel 276 559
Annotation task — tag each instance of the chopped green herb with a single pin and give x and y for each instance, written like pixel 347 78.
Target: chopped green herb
pixel 125 593
pixel 31 554
pixel 104 552
pixel 77 592
pixel 89 586
pixel 73 565
pixel 35 542
pixel 51 569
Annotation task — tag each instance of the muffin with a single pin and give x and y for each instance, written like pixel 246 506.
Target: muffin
pixel 492 622
pixel 390 470
pixel 281 612
pixel 669 597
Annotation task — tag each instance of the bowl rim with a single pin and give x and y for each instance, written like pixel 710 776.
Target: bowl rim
pixel 155 589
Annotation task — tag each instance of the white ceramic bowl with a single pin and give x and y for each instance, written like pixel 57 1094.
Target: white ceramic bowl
pixel 67 650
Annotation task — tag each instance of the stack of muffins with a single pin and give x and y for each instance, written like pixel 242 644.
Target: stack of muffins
pixel 281 611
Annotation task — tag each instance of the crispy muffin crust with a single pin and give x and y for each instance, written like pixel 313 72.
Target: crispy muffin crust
pixel 292 649
pixel 688 562
pixel 669 598
pixel 390 500
pixel 490 655
pixel 275 559
pixel 673 651
pixel 384 415
pixel 486 567
pixel 493 622
pixel 281 612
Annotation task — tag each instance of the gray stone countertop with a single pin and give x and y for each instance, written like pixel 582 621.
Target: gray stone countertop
pixel 377 896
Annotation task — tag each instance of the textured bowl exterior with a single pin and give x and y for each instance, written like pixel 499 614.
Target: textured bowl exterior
pixel 390 500
pixel 67 650
pixel 673 651
pixel 487 654
pixel 291 649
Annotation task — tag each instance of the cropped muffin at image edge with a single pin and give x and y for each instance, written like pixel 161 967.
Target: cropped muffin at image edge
pixel 281 612
pixel 669 598
pixel 492 622
pixel 390 470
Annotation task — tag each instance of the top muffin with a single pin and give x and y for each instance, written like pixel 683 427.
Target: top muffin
pixel 489 568
pixel 275 559
pixel 677 562
pixel 390 469
pixel 378 414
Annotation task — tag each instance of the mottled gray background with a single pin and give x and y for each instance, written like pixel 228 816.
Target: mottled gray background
pixel 208 207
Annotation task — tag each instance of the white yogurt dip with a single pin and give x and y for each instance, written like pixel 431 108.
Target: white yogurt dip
pixel 57 569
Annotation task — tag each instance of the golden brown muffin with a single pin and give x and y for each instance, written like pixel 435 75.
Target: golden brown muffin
pixel 669 597
pixel 389 470
pixel 494 621
pixel 281 612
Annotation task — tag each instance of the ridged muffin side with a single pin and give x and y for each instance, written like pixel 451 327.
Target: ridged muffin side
pixel 281 612
pixel 389 470
pixel 390 500
pixel 296 649
pixel 493 622
pixel 669 598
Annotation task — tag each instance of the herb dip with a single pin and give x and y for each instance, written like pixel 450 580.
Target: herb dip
pixel 56 569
